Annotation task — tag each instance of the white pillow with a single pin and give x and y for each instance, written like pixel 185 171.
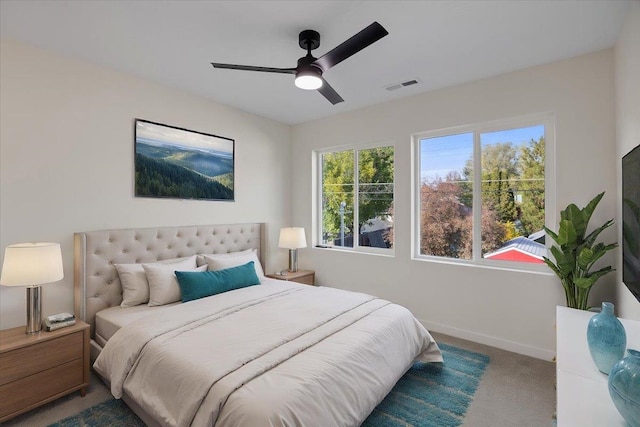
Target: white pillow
pixel 202 260
pixel 234 259
pixel 135 287
pixel 163 283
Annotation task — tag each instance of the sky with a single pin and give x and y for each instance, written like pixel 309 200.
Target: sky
pixel 165 134
pixel 441 155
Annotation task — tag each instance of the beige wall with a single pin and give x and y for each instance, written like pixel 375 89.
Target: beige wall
pixel 627 66
pixel 507 309
pixel 66 161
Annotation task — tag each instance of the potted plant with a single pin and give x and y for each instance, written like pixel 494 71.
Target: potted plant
pixel 575 252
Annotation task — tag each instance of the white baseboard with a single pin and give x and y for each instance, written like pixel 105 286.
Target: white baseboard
pixel 516 347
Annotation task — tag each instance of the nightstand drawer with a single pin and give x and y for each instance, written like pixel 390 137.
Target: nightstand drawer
pixel 309 279
pixel 26 361
pixel 306 277
pixel 35 388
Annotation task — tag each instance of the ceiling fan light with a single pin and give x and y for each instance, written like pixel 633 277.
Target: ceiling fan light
pixel 308 82
pixel 308 78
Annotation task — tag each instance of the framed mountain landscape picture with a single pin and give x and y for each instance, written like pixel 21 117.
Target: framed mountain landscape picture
pixel 172 162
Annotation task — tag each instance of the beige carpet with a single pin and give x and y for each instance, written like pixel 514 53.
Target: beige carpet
pixel 515 391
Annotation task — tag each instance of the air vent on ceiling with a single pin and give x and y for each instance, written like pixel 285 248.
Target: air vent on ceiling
pixel 400 85
pixel 409 83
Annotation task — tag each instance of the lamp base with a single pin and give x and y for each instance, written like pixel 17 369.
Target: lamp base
pixel 34 309
pixel 293 260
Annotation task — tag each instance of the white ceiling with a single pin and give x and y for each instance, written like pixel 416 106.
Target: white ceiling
pixel 441 43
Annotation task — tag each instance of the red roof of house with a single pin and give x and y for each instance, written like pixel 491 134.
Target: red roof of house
pixel 514 255
pixel 520 249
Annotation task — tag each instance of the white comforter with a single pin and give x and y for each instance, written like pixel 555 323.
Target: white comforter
pixel 278 354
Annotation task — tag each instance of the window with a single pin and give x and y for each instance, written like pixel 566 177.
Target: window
pixel 357 188
pixel 483 191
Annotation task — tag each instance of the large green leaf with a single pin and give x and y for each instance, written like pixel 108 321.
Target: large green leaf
pixel 567 236
pixel 585 258
pixel 598 274
pixel 594 234
pixel 553 235
pixel 552 266
pixel 565 261
pixel 598 251
pixel 574 215
pixel 601 247
pixel 585 282
pixel 591 206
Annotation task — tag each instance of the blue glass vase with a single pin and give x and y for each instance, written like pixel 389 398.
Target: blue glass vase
pixel 606 338
pixel 624 387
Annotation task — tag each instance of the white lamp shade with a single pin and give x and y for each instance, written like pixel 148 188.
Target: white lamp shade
pixel 31 264
pixel 292 238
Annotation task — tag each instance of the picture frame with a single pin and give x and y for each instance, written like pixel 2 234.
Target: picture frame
pixel 177 163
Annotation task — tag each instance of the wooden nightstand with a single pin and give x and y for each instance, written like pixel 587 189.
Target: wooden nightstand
pixel 38 368
pixel 306 277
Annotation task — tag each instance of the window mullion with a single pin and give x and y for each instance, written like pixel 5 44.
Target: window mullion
pixel 356 201
pixel 320 201
pixel 477 198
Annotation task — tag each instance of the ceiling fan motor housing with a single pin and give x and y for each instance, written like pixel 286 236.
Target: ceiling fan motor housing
pixel 308 62
pixel 306 66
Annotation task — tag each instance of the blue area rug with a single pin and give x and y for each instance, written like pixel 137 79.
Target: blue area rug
pixel 428 395
pixel 432 394
pixel 110 413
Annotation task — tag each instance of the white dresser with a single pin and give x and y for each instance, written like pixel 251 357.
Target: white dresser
pixel 583 395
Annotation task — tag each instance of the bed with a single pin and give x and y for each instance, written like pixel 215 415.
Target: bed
pixel 275 354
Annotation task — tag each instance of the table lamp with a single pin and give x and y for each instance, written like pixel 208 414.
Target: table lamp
pixel 32 265
pixel 292 238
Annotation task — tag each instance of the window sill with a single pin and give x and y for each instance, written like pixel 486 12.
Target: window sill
pixel 389 253
pixel 540 269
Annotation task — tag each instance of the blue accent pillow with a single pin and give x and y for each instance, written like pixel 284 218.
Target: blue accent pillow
pixel 196 285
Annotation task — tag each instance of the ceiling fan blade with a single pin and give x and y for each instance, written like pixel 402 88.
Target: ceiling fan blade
pixel 355 44
pixel 252 68
pixel 328 92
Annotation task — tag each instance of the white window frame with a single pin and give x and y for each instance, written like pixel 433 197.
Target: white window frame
pixel 545 119
pixel 318 197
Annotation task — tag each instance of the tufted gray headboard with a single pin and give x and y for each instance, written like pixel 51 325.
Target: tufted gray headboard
pixel 96 282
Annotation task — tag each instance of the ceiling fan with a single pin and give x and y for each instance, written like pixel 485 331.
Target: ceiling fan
pixel 309 70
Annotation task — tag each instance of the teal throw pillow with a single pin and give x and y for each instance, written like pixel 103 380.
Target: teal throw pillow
pixel 196 285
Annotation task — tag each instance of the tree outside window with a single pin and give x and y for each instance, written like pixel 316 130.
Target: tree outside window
pixel 509 191
pixel 362 178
